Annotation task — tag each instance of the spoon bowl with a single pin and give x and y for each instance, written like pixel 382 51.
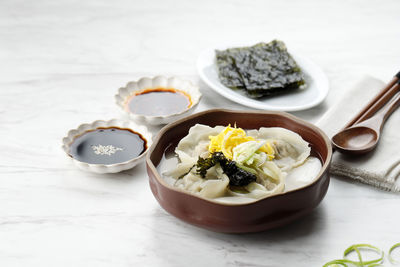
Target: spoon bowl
pixel 356 140
pixel 364 136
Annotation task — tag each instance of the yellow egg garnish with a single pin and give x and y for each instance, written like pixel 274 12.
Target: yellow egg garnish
pixel 229 138
pixel 267 148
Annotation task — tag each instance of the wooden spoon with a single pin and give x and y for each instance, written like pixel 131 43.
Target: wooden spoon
pixel 364 136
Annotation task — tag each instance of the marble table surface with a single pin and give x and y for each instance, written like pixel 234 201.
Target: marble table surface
pixel 61 63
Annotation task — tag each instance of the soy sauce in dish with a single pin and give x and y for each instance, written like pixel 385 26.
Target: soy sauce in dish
pixel 159 102
pixel 107 146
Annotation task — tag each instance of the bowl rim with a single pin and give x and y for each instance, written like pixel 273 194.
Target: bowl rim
pixel 156 140
pixel 80 130
pixel 196 97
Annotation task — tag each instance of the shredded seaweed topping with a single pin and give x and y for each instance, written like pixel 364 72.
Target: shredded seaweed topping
pixel 204 164
pixel 236 175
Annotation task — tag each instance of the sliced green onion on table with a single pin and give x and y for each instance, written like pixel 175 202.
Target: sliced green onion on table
pixel 364 246
pixel 356 248
pixel 390 253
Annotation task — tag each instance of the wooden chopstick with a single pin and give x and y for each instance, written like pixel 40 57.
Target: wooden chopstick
pixel 378 101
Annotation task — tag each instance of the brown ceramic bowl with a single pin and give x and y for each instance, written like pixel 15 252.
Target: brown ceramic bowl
pixel 261 215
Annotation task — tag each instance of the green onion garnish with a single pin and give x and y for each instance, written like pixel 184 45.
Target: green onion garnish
pixel 390 253
pixel 356 248
pixel 364 246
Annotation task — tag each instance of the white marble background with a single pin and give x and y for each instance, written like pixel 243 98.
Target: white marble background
pixel 61 63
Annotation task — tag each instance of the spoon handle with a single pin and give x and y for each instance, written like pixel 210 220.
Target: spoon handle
pixel 377 102
pixel 389 108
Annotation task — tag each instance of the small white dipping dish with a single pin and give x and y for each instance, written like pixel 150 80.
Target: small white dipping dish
pixel 169 85
pixel 107 147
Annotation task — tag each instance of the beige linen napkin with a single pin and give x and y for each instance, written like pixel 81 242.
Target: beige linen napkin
pixel 381 167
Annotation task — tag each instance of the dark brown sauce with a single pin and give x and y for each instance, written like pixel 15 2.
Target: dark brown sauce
pixel 160 101
pixel 107 146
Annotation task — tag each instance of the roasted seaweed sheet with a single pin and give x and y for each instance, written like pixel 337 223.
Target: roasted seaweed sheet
pixel 264 69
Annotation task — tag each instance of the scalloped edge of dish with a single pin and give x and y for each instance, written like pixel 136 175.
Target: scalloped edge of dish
pixel 107 168
pixel 158 82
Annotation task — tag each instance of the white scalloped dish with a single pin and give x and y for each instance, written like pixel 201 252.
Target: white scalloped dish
pixel 107 146
pixel 158 100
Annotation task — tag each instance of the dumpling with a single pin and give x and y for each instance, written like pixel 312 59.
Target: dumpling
pixel 215 186
pixel 257 191
pixel 192 146
pixel 196 143
pixel 290 149
pixel 182 167
pixel 190 182
pixel 270 174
